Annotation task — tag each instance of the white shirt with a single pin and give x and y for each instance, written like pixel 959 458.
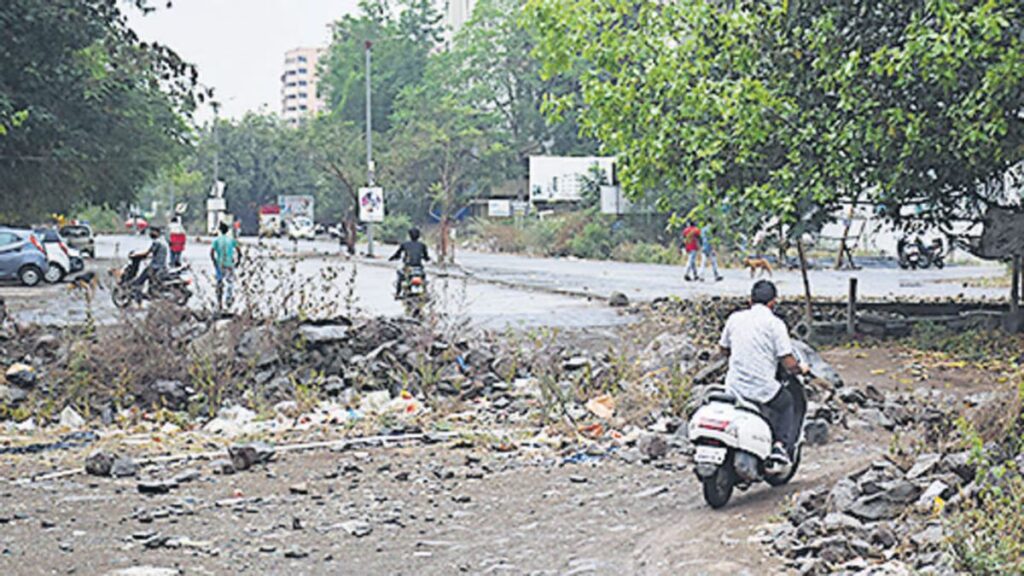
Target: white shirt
pixel 756 339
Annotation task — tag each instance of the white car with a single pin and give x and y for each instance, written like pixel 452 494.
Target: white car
pixel 58 256
pixel 301 228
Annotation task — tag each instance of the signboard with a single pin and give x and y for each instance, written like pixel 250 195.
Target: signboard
pixel 371 204
pixel 499 208
pixel 296 206
pixel 614 201
pixel 561 178
pixel 520 207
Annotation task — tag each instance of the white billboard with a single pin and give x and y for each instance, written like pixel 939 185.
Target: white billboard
pixel 561 178
pixel 296 206
pixel 499 208
pixel 371 204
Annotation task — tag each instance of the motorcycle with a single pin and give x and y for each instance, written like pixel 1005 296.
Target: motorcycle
pixel 933 254
pixel 413 290
pixel 909 253
pixel 733 440
pixel 171 286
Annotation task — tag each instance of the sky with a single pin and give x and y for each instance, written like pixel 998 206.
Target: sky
pixel 239 45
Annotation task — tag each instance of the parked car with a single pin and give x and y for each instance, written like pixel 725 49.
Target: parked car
pixel 77 262
pixel 301 227
pixel 80 237
pixel 57 255
pixel 22 256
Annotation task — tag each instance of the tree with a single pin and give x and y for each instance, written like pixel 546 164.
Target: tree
pixel 440 148
pixel 336 149
pixel 88 111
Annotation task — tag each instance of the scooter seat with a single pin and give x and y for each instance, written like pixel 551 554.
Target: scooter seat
pixel 722 396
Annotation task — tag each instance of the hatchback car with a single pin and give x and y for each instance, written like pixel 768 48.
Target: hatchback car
pixel 301 227
pixel 22 257
pixel 57 255
pixel 80 237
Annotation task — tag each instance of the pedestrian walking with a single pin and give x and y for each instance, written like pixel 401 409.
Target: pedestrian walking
pixel 707 250
pixel 691 244
pixel 177 239
pixel 226 255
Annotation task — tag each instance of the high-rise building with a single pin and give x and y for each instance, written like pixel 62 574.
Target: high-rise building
pixel 299 98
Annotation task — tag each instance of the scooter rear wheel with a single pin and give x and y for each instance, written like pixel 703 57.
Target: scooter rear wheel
pixel 121 296
pixel 718 487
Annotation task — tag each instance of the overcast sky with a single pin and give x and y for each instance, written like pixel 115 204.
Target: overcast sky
pixel 239 45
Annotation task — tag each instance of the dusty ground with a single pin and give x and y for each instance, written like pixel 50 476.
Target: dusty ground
pixel 433 509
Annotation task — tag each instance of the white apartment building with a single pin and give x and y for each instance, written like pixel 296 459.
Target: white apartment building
pixel 299 97
pixel 457 13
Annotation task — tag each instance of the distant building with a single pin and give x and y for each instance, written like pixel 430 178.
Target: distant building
pixel 457 13
pixel 299 82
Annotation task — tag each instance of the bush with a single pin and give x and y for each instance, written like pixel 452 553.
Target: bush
pixel 394 229
pixel 101 219
pixel 593 242
pixel 646 253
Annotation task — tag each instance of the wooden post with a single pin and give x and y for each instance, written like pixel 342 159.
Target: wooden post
pixel 851 309
pixel 809 311
pixel 1015 286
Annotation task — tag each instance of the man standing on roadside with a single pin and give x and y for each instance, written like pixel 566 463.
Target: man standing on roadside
pixel 691 244
pixel 176 235
pixel 708 255
pixel 226 254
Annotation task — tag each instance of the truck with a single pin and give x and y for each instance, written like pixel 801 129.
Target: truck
pixel 270 221
pixel 292 212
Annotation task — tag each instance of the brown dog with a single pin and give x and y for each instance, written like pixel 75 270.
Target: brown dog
pixel 87 281
pixel 758 265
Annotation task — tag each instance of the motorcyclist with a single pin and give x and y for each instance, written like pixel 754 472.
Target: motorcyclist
pixel 756 341
pixel 413 254
pixel 157 254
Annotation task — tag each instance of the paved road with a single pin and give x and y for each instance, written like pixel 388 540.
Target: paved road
pixel 499 290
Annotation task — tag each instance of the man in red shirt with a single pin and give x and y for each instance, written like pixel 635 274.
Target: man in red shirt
pixel 691 243
pixel 176 240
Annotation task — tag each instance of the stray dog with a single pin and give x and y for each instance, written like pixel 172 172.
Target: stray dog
pixel 759 265
pixel 86 282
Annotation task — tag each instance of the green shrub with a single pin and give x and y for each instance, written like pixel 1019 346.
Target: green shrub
pixel 394 229
pixel 593 242
pixel 102 219
pixel 646 253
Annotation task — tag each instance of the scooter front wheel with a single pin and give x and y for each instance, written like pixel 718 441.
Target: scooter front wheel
pixel 780 480
pixel 121 296
pixel 718 486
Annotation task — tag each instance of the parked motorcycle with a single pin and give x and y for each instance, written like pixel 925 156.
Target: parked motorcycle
pixel 172 286
pixel 733 440
pixel 413 290
pixel 933 254
pixel 914 254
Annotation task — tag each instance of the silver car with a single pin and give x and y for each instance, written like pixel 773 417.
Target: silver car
pixel 22 256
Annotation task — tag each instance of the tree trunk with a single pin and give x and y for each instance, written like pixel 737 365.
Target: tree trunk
pixel 1015 285
pixel 443 249
pixel 809 309
pixel 842 241
pixel 351 232
pixel 782 247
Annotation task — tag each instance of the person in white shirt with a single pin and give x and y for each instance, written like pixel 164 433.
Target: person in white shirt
pixel 756 341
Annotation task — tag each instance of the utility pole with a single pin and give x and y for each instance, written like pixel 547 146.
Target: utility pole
pixel 369 149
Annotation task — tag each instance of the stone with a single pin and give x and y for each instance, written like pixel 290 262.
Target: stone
pixel 245 456
pixel 852 396
pixel 295 552
pixel 99 463
pixel 652 446
pixel 926 503
pixel 960 464
pixel 171 394
pixel 318 335
pixel 12 395
pixel 618 300
pixel 925 464
pixel 155 486
pixel 186 476
pixel 575 363
pixel 259 345
pixel 874 508
pixel 223 467
pixel 300 489
pixel 810 528
pixel 356 528
pixel 816 432
pixel 71 419
pixel 876 417
pixel 123 467
pixel 669 353
pixel 839 522
pixel 842 496
pixel 21 375
pixel 901 491
pixel 883 536
pixel 929 538
pixel 145 571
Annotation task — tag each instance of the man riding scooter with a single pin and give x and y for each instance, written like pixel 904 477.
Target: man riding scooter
pixel 756 341
pixel 157 254
pixel 413 254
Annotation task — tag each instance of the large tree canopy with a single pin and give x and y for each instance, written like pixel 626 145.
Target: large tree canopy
pixel 89 111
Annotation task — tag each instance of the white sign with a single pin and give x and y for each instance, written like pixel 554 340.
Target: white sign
pixel 371 204
pixel 499 208
pixel 217 190
pixel 520 207
pixel 216 204
pixel 613 201
pixel 561 178
pixel 296 206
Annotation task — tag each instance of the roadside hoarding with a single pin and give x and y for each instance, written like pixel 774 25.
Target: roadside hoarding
pixel 499 208
pixel 561 178
pixel 371 204
pixel 296 206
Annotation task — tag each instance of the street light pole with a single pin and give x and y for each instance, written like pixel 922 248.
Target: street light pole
pixel 369 149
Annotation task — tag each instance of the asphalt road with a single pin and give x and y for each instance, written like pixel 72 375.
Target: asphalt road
pixel 498 290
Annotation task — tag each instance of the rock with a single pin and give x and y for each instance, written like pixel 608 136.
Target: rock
pixel 186 476
pixel 929 538
pixel 47 344
pixel 315 335
pixel 576 479
pixel 926 503
pixel 295 552
pixel 99 463
pixel 816 432
pixel 356 528
pixel 21 375
pixel 842 496
pixel 259 345
pixel 924 464
pixel 155 486
pixel 960 464
pixel 852 396
pixel 123 467
pixel 810 528
pixel 883 536
pixel 171 394
pixel 301 489
pixel 618 300
pixel 12 395
pixel 575 363
pixel 231 421
pixel 839 522
pixel 145 571
pixel 71 419
pixel 874 508
pixel 901 491
pixel 245 456
pixel 223 467
pixel 668 352
pixel 652 446
pixel 876 417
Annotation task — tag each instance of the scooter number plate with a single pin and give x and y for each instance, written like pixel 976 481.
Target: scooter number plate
pixel 709 455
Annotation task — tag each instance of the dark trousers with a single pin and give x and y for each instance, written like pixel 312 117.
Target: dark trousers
pixel 782 417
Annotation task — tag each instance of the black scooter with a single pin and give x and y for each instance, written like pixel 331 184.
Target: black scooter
pixel 171 286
